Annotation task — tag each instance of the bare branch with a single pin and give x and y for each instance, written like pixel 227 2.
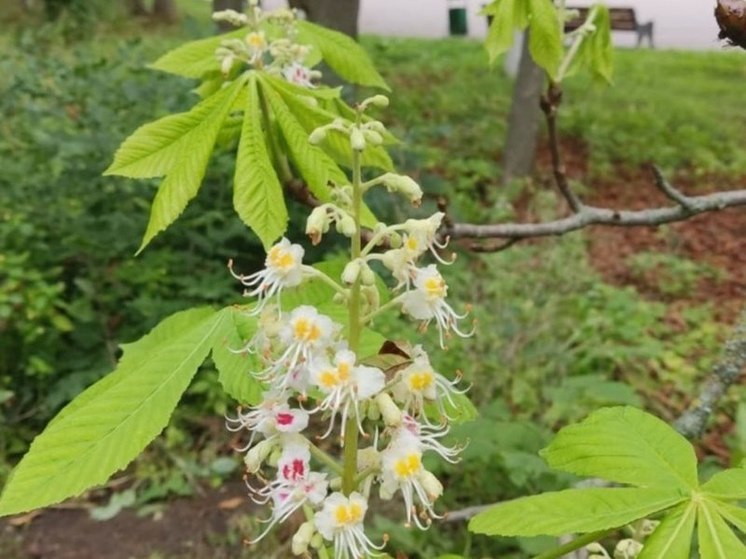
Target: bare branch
pixel 550 103
pixel 590 215
pixel 670 191
pixel 724 373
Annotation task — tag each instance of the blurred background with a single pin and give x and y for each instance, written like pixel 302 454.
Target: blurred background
pixel 565 325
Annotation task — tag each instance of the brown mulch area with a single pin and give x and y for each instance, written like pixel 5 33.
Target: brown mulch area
pixel 717 239
pixel 189 526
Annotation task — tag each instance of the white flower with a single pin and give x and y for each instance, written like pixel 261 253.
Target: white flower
pixel 294 486
pixel 257 45
pixel 283 268
pixel 271 417
pixel 427 302
pixel 341 521
pixel 420 383
pixel 345 385
pixel 297 74
pixel 304 334
pixel 425 437
pixel 402 469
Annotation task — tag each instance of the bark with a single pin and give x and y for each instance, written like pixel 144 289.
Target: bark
pixel 341 15
pixel 137 8
pixel 165 10
pixel 218 5
pixel 524 119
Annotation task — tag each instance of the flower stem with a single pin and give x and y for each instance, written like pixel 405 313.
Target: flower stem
pixel 577 543
pixel 325 459
pixel 351 431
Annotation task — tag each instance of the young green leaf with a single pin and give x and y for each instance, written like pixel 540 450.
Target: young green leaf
pixel 733 514
pixel 545 38
pixel 235 366
pixel 729 484
pixel 672 538
pixel 602 50
pixel 625 445
pixel 257 193
pixel 504 25
pixel 315 166
pixel 716 539
pixel 195 58
pixel 94 439
pixel 343 55
pixel 573 511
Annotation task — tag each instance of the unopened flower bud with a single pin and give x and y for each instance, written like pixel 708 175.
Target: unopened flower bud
pixel 379 101
pixel 257 455
pixel 367 276
pixel 274 457
pixel 389 410
pixel 227 64
pixel 373 137
pixel 372 297
pixel 346 225
pixel 317 224
pixel 318 135
pixel 395 240
pixel 405 185
pixel 357 140
pixel 302 538
pixel 339 298
pixel 374 412
pixel 317 541
pixel 627 549
pixel 431 485
pixel 351 272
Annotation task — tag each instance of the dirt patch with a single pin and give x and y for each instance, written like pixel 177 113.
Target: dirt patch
pixel 192 527
pixel 715 241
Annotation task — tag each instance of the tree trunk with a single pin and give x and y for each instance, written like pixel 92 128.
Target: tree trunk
pixel 165 10
pixel 524 119
pixel 137 8
pixel 341 15
pixel 218 5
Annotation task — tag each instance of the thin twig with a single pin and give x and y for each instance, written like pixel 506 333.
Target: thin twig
pixel 550 103
pixel 669 190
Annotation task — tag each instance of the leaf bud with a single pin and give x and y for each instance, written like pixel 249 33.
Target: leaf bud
pixel 302 538
pixel 389 410
pixel 357 140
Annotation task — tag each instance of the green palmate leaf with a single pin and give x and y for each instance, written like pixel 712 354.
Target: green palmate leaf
pixel 672 539
pixel 257 193
pixel 111 426
pixel 730 484
pixel 716 539
pixel 733 514
pixel 342 54
pixel 190 163
pixel 196 58
pixel 311 117
pixel 545 38
pixel 573 511
pixel 315 166
pixel 625 445
pixel 235 366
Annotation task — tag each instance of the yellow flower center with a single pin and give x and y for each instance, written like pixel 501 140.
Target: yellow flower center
pixel 255 40
pixel 348 514
pixel 412 243
pixel 420 380
pixel 306 330
pixel 343 371
pixel 328 379
pixel 408 466
pixel 280 258
pixel 436 287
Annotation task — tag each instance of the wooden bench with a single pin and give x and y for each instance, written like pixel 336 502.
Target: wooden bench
pixel 622 19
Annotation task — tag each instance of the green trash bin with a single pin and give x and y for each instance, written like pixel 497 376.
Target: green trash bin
pixel 457 21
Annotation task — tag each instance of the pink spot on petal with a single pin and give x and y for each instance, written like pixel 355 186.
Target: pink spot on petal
pixel 285 418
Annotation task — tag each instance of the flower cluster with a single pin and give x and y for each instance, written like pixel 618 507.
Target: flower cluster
pixel 320 385
pixel 279 55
